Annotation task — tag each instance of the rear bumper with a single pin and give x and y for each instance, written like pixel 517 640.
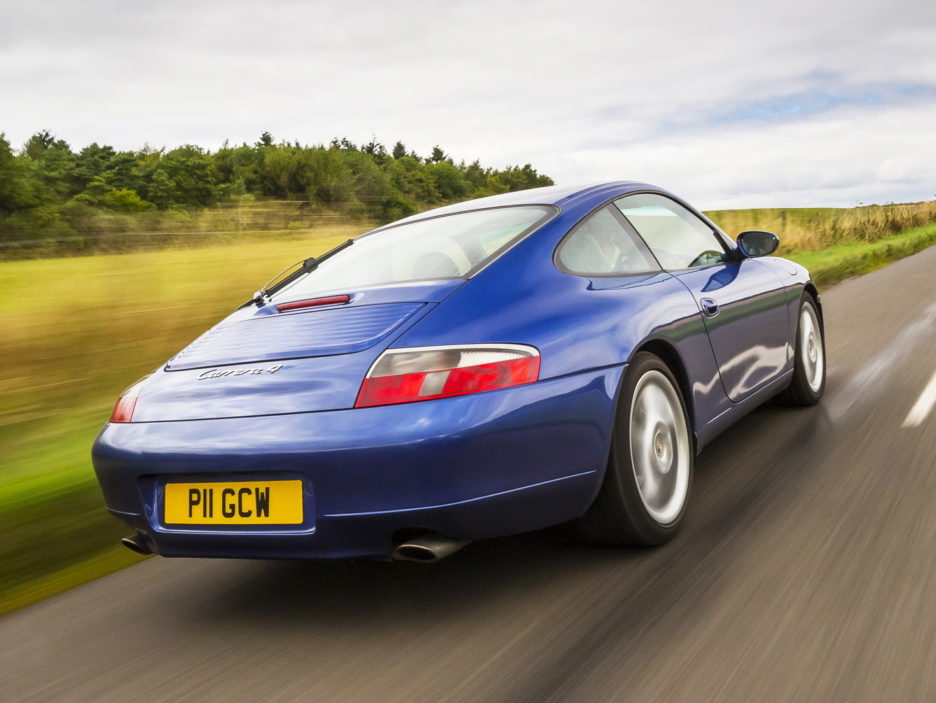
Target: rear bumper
pixel 467 467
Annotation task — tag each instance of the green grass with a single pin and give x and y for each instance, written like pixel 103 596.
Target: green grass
pixel 76 331
pixel 844 260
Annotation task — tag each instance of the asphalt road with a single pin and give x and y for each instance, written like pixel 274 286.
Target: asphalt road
pixel 806 571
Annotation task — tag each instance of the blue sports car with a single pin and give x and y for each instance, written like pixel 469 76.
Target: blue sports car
pixel 487 368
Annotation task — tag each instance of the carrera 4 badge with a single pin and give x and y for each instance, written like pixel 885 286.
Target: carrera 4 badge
pixel 221 373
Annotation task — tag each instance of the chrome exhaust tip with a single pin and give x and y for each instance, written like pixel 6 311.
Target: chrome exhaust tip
pixel 136 544
pixel 427 548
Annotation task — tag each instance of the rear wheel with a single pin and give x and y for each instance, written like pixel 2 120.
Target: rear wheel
pixel 809 368
pixel 646 486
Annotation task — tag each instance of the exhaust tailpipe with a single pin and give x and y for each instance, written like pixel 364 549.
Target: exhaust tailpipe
pixel 427 548
pixel 136 544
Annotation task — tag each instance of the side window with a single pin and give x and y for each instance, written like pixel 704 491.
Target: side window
pixel 677 237
pixel 602 246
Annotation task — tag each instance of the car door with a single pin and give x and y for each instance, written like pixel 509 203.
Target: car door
pixel 742 302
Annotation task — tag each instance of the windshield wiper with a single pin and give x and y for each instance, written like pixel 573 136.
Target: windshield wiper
pixel 306 266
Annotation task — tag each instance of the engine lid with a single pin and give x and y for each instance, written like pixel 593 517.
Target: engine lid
pixel 325 331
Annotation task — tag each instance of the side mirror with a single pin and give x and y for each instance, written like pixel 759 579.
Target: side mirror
pixel 757 243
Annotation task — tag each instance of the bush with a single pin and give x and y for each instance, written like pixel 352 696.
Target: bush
pixel 127 200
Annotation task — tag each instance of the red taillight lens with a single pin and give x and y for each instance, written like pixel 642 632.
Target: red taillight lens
pixel 408 375
pixel 126 403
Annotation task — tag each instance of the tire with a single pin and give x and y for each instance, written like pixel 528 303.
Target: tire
pixel 809 361
pixel 651 439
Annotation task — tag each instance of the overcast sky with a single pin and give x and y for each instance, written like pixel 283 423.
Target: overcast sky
pixel 730 103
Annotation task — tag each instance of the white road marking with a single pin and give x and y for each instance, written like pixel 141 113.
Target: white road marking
pixel 921 409
pixel 875 374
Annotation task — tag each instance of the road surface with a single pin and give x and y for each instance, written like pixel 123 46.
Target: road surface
pixel 806 571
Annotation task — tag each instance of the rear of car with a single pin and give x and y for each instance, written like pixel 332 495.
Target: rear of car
pixel 297 427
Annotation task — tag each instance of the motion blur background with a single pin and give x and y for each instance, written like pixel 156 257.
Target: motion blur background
pixel 160 161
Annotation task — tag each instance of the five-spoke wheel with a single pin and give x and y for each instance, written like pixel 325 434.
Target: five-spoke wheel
pixel 809 368
pixel 659 446
pixel 646 485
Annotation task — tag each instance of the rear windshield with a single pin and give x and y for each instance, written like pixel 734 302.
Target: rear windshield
pixel 451 246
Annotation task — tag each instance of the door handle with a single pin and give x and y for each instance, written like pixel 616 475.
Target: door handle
pixel 709 307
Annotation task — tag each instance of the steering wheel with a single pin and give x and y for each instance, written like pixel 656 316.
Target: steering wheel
pixel 706 257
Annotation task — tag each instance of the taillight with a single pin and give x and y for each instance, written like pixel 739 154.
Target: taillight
pixel 425 373
pixel 126 403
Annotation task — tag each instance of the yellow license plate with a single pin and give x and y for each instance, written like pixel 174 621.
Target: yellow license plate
pixel 241 503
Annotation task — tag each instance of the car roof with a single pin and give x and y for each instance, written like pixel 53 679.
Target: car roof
pixel 561 196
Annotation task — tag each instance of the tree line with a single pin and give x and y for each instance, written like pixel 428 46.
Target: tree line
pixel 48 188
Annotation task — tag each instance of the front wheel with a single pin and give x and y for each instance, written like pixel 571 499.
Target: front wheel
pixel 809 367
pixel 646 486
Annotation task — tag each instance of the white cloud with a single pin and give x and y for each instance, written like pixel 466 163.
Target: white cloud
pixel 583 91
pixel 842 157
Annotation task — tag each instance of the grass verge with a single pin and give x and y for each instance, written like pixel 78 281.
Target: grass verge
pixel 841 261
pixel 91 568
